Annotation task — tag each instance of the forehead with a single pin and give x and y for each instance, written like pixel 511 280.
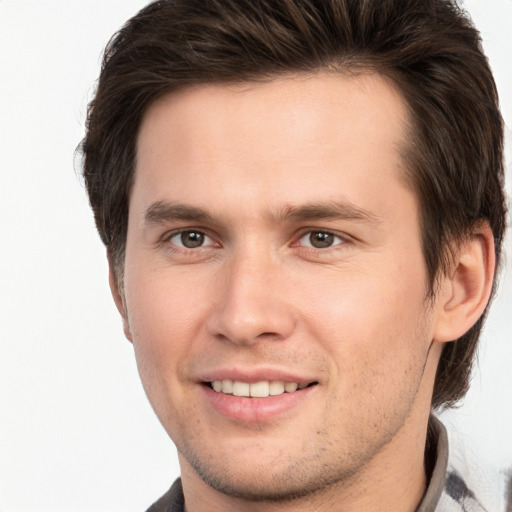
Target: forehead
pixel 298 102
pixel 304 129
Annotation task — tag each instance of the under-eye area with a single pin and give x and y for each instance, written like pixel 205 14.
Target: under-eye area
pixel 260 389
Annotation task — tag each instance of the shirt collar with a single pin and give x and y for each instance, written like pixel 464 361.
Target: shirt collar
pixel 437 444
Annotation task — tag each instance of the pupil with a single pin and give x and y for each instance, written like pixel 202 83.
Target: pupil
pixel 320 239
pixel 191 239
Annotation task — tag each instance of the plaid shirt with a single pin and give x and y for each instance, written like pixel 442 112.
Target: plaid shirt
pixel 458 496
pixel 469 486
pixel 452 488
pixel 466 486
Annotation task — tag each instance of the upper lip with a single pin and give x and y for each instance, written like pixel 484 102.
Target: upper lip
pixel 252 375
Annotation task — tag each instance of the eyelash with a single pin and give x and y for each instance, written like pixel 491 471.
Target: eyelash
pixel 340 240
pixel 175 247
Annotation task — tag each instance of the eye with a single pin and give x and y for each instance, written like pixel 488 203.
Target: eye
pixel 190 239
pixel 320 239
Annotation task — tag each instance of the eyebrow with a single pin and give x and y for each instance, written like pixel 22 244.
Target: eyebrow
pixel 162 212
pixel 331 210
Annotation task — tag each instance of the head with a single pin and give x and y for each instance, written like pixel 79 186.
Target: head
pixel 201 111
pixel 297 192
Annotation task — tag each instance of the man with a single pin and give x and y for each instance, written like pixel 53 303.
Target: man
pixel 303 208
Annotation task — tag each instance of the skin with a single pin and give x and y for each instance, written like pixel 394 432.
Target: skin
pixel 265 163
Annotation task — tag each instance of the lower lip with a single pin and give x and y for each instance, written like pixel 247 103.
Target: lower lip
pixel 255 409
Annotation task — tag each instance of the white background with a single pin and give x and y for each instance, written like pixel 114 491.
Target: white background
pixel 76 432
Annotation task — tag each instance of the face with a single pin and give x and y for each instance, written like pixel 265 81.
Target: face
pixel 273 250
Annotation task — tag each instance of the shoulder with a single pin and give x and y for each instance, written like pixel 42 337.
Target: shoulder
pixel 490 494
pixel 472 484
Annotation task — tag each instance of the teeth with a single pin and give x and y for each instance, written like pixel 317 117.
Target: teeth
pixel 241 388
pixel 276 388
pixel 227 386
pixel 290 387
pixel 257 389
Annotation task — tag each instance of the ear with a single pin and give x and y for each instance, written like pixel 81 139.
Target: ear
pixel 118 296
pixel 464 293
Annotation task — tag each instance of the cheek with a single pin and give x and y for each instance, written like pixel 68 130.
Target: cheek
pixel 377 343
pixel 165 317
pixel 373 325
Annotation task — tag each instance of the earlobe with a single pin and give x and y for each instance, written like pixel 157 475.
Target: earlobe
pixel 117 295
pixel 464 293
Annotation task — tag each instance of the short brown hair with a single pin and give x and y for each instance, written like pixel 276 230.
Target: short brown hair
pixel 429 48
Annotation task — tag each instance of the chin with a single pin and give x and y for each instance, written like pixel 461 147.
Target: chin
pixel 262 485
pixel 278 478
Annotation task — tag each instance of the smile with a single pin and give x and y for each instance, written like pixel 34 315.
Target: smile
pixel 260 389
pixel 256 400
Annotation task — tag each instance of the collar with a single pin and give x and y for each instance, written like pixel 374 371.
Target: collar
pixel 437 445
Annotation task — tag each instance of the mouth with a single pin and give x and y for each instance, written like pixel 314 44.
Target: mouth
pixel 261 389
pixel 252 399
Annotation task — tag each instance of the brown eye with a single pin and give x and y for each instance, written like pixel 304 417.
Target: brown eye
pixel 189 239
pixel 192 239
pixel 320 239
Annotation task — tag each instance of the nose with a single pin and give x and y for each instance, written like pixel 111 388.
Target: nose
pixel 252 302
